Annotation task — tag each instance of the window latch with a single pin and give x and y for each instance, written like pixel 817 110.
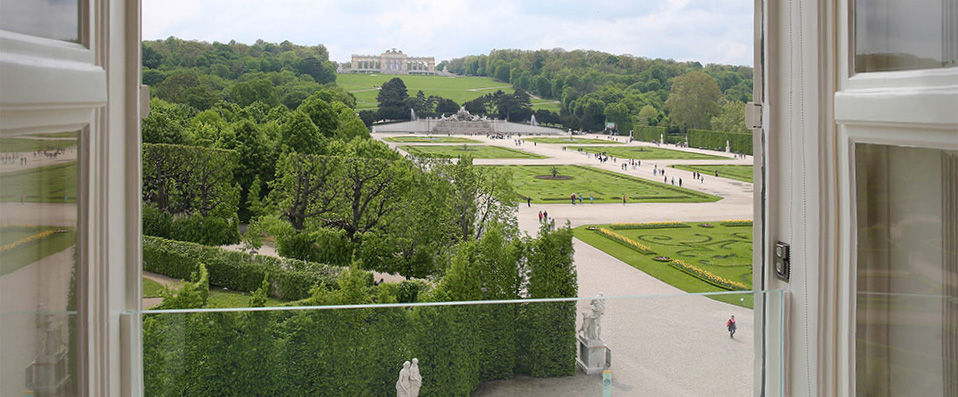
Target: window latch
pixel 753 115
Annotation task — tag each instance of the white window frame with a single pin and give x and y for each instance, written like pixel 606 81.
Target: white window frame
pixel 914 108
pixel 91 86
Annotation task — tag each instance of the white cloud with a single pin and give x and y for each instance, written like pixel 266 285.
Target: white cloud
pixel 707 31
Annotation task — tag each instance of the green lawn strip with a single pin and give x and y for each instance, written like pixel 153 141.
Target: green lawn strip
pixel 738 172
pixel 219 298
pixel 22 255
pixel 546 105
pixel 151 289
pixel 429 139
pixel 604 186
pixel 570 141
pixel 645 153
pixel 31 145
pixel 681 243
pixel 459 89
pixel 49 184
pixel 475 151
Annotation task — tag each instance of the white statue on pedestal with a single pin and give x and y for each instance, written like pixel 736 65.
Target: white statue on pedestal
pixel 590 328
pixel 410 381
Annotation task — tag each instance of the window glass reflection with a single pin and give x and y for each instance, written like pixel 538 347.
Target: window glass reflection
pixel 53 19
pixel 900 35
pixel 907 273
pixel 38 263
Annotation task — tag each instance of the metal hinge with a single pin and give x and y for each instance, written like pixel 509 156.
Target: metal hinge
pixel 753 115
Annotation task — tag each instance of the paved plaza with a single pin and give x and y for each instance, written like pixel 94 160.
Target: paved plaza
pixel 664 342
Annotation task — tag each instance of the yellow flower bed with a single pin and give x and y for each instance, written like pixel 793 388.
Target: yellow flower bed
pixel 652 225
pixel 26 240
pixel 708 277
pixel 624 240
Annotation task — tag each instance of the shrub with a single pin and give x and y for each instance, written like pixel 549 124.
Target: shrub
pixel 291 279
pixel 206 230
pixel 155 222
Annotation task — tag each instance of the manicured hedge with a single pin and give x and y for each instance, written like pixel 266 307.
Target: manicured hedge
pixel 648 133
pixel 291 278
pixel 704 139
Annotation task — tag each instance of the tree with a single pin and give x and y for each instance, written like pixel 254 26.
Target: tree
pixel 166 123
pixel 618 113
pixel 300 135
pixel 647 116
pixel 321 113
pixel 392 100
pixel 693 100
pixel 246 92
pixel 303 188
pixel 446 106
pixel 480 196
pixel 731 117
pixel 321 71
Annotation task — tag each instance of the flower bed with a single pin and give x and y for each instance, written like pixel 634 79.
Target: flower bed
pixel 710 278
pixel 737 223
pixel 655 225
pixel 31 238
pixel 624 240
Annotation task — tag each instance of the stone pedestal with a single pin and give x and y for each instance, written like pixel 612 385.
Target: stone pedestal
pixel 594 356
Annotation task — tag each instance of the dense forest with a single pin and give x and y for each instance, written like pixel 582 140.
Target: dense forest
pixel 595 87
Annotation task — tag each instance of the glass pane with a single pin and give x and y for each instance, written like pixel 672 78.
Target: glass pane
pixel 907 313
pixel 38 264
pixel 53 19
pixel 901 35
pixel 668 345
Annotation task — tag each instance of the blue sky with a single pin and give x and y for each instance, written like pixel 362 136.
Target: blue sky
pixel 709 31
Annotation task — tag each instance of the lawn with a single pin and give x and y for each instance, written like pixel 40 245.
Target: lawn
pixel 31 145
pixel 23 245
pixel 545 104
pixel 459 89
pixel 49 184
pixel 645 153
pixel 723 251
pixel 476 151
pixel 218 297
pixel 738 172
pixel 429 139
pixel 604 186
pixel 570 141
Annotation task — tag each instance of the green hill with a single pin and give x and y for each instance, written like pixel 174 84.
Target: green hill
pixel 460 89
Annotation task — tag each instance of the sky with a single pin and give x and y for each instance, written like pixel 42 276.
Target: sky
pixel 708 31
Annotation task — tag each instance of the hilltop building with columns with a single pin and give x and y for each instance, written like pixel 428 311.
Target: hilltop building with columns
pixel 392 61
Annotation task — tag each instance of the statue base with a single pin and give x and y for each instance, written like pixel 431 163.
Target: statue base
pixel 594 356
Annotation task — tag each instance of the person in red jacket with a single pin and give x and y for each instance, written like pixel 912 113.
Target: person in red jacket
pixel 730 324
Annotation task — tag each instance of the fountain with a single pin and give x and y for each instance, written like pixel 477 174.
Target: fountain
pixel 533 121
pixel 728 148
pixel 412 114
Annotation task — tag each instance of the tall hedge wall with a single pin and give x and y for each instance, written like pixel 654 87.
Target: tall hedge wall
pixel 648 133
pixel 291 278
pixel 705 139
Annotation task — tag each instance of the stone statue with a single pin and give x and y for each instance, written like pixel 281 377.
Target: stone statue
pixel 590 328
pixel 415 379
pixel 403 385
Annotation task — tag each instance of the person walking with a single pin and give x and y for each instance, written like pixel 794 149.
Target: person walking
pixel 730 324
pixel 545 216
pixel 573 198
pixel 540 217
pixel 591 199
pixel 528 201
pixel 579 196
pixel 680 182
pixel 623 199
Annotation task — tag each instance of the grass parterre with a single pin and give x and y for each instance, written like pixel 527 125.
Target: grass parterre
pixel 644 153
pixel 474 151
pixel 537 182
pixel 691 256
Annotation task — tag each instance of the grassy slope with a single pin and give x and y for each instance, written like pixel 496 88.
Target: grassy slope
pixel 738 172
pixel 50 184
pixel 570 141
pixel 476 151
pixel 459 89
pixel 670 275
pixel 645 153
pixel 429 139
pixel 604 186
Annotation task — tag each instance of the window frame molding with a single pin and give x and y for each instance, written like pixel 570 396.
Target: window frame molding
pixel 912 108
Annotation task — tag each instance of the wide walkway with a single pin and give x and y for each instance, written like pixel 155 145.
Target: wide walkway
pixel 666 342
